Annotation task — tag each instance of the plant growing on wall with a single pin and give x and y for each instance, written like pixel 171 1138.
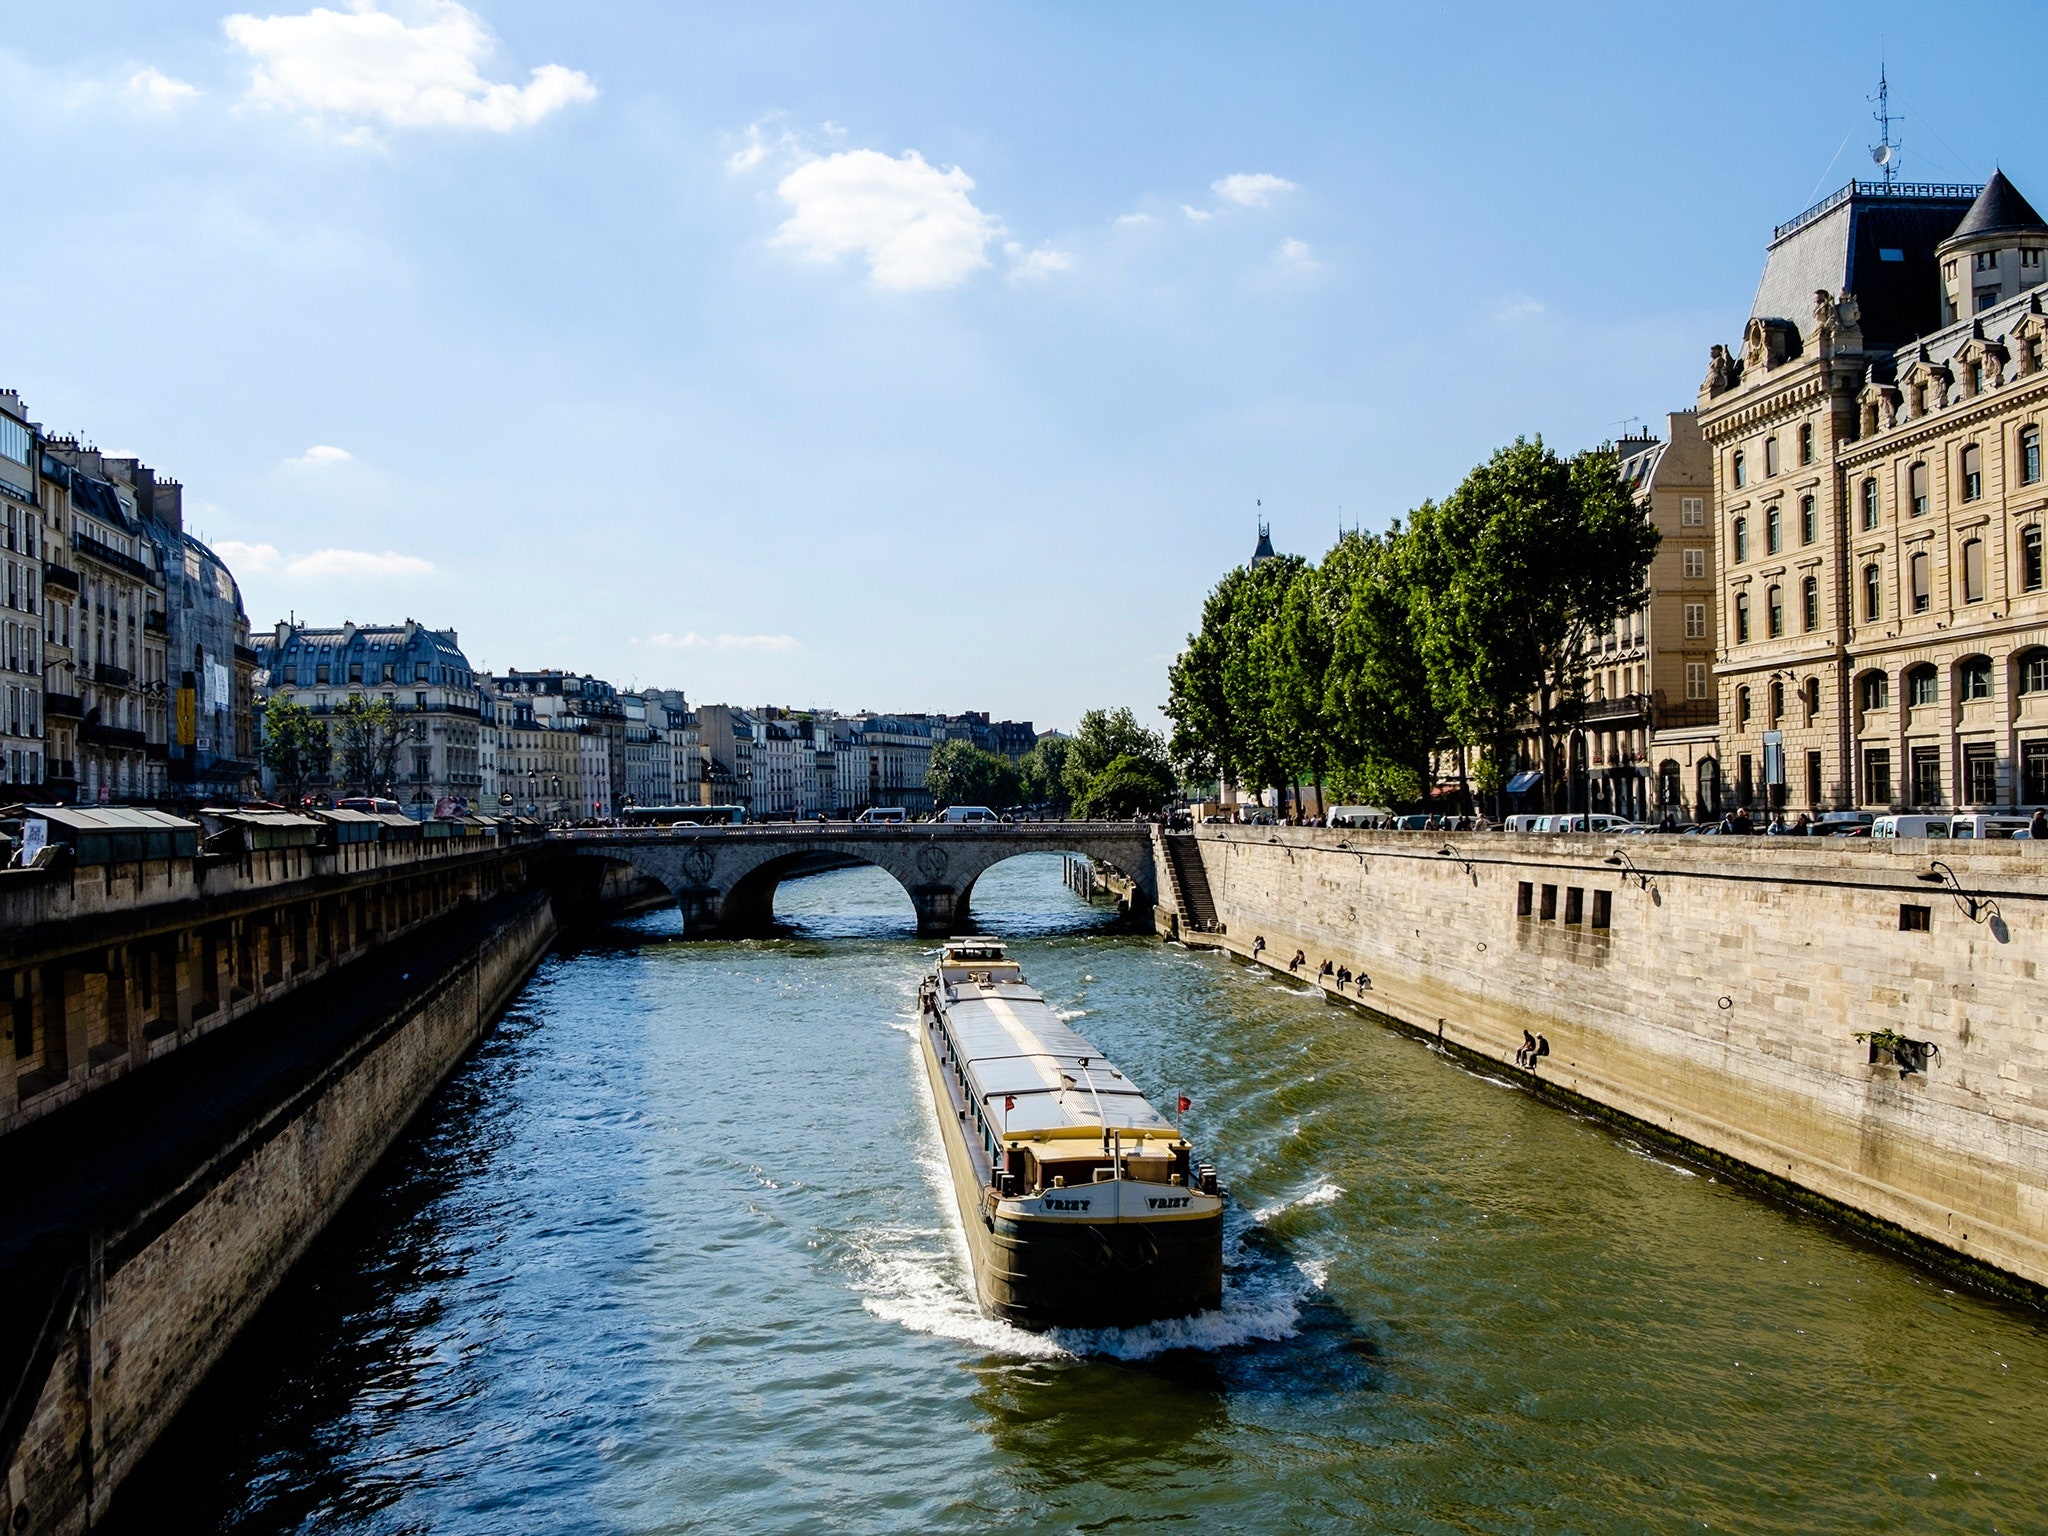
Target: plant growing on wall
pixel 1907 1055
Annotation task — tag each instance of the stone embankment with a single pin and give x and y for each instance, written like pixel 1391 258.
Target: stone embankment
pixel 1713 992
pixel 221 1052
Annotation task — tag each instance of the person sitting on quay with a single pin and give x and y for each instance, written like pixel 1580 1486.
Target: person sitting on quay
pixel 1300 959
pixel 1258 945
pixel 1343 977
pixel 1327 970
pixel 1525 1054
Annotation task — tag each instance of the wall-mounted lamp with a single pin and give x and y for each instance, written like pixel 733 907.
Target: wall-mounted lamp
pixel 1979 909
pixel 1620 860
pixel 1448 852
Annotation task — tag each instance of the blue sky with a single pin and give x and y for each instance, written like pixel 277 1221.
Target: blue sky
pixel 899 356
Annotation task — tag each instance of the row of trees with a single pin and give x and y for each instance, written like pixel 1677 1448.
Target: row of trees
pixel 1462 625
pixel 1110 767
pixel 359 752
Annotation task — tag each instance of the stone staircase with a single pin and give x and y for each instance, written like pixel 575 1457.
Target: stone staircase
pixel 1190 882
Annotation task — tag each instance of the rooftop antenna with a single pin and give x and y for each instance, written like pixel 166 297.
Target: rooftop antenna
pixel 1886 150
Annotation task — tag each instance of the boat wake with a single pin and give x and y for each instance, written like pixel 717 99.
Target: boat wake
pixel 1328 1192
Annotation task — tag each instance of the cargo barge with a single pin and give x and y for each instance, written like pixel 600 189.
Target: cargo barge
pixel 1082 1205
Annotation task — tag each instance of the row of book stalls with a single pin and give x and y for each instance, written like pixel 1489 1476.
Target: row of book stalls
pixel 51 837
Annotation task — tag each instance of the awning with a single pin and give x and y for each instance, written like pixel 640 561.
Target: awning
pixel 1525 781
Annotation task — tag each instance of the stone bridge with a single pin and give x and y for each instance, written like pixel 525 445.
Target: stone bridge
pixel 724 878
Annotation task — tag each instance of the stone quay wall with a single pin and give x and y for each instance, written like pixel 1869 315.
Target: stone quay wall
pixel 1711 991
pixel 165 1290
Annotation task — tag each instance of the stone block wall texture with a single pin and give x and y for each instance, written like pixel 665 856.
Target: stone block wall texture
pixel 1721 1003
pixel 164 1299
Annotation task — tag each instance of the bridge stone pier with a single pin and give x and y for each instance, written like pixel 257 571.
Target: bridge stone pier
pixel 724 878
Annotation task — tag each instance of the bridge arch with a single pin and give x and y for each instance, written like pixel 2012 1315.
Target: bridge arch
pixel 724 879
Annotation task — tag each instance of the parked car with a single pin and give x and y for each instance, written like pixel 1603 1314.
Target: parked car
pixel 1844 824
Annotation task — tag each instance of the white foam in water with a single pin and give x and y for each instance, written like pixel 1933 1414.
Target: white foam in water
pixel 1068 1015
pixel 920 1278
pixel 1325 1193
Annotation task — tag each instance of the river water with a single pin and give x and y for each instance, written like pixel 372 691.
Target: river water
pixel 673 1252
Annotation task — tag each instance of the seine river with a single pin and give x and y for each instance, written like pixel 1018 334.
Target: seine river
pixel 672 1252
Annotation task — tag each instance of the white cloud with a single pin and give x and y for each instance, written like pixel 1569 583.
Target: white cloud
pixel 1132 220
pixel 321 454
pixel 365 65
pixel 246 557
pixel 1039 265
pixel 1519 306
pixel 346 564
pixel 157 91
pixel 1297 255
pixel 692 641
pixel 1199 215
pixel 1253 190
pixel 915 223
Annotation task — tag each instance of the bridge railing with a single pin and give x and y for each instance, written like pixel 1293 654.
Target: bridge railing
pixel 684 832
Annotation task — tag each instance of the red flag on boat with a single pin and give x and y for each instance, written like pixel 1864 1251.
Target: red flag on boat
pixel 1009 1101
pixel 1186 1103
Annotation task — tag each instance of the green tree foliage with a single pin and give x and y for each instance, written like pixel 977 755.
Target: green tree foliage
pixel 1043 773
pixel 1128 785
pixel 1103 738
pixel 296 748
pixel 963 774
pixel 1467 626
pixel 369 732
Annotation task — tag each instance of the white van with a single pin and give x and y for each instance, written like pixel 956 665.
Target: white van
pixel 1987 826
pixel 892 814
pixel 960 813
pixel 1594 823
pixel 1911 826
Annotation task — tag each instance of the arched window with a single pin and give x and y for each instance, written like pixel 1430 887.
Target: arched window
pixel 1741 539
pixel 1877 691
pixel 1870 503
pixel 1738 470
pixel 1742 618
pixel 1973 678
pixel 1873 592
pixel 1973 472
pixel 1916 481
pixel 1770 457
pixel 2030 455
pixel 1777 700
pixel 1809 521
pixel 1922 569
pixel 1709 775
pixel 1742 708
pixel 2033 671
pixel 1923 686
pixel 1668 782
pixel 1809 603
pixel 1973 570
pixel 1774 539
pixel 1809 695
pixel 1774 606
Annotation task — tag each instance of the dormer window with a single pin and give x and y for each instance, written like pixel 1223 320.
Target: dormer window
pixel 1986 297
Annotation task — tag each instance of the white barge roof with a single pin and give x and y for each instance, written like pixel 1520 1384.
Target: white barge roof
pixel 1013 1047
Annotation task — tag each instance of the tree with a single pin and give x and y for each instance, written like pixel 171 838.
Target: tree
pixel 1104 736
pixel 1512 570
pixel 1383 711
pixel 963 774
pixel 370 732
pixel 1042 774
pixel 295 748
pixel 1126 786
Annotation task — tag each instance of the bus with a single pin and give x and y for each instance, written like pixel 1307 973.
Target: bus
pixel 684 815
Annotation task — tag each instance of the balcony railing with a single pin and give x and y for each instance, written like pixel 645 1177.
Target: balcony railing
pixel 113 736
pixel 106 554
pixel 63 706
pixel 59 578
pixel 1627 706
pixel 113 677
pixel 156 622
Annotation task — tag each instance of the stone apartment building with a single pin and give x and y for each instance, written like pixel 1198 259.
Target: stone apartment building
pixel 1879 501
pixel 424 675
pixel 22 749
